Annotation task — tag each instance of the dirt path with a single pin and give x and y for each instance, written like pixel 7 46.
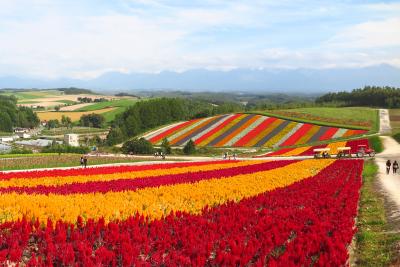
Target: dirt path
pixel 390 183
pixel 384 126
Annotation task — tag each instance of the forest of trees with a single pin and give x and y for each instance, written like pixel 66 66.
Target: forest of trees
pixel 370 96
pixel 13 116
pixel 147 115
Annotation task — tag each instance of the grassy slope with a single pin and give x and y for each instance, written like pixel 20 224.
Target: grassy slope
pixel 375 245
pixel 120 105
pixel 337 117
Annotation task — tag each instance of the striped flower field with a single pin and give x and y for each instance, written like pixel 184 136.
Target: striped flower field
pixel 309 150
pixel 216 213
pixel 247 130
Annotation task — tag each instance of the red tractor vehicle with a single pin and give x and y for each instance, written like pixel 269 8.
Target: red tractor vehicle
pixel 364 150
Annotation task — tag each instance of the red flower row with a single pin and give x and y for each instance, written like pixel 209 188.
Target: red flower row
pixel 152 181
pixel 308 223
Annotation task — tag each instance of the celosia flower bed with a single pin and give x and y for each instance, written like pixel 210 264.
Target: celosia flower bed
pixel 222 213
pixel 309 150
pixel 246 130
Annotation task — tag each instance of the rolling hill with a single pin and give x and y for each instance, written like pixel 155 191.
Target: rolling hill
pixel 247 130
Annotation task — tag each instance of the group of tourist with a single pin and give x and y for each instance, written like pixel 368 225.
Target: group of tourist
pixel 159 154
pixel 394 166
pixel 227 156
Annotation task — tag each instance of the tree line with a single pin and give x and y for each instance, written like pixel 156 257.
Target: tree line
pixel 13 116
pixel 146 115
pixel 370 96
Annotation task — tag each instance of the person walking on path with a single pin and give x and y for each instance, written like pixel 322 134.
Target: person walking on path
pixel 388 164
pixel 81 161
pixel 395 167
pixel 85 161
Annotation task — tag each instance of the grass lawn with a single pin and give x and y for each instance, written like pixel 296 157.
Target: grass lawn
pixel 350 117
pixel 66 101
pixel 375 244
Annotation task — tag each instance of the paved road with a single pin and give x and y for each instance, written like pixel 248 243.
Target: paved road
pixel 384 126
pixel 390 183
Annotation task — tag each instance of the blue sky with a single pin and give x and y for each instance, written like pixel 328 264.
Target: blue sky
pixel 83 39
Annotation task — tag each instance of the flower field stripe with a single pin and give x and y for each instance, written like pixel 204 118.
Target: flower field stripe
pixel 209 140
pixel 238 132
pixel 194 127
pixel 106 169
pixel 334 146
pixel 270 131
pixel 339 133
pixel 145 182
pixel 185 130
pixel 273 132
pixel 201 135
pixel 150 135
pixel 355 143
pixel 310 150
pixel 261 130
pixel 170 131
pixel 234 130
pixel 329 133
pixel 297 135
pixel 210 133
pixel 155 202
pixel 82 178
pixel 245 131
pixel 199 129
pixel 297 151
pixel 295 218
pixel 284 135
pixel 279 152
pixel 317 136
pixel 308 135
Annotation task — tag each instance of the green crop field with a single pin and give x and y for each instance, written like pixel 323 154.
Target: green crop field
pixel 395 120
pixel 114 103
pixel 119 105
pixel 353 117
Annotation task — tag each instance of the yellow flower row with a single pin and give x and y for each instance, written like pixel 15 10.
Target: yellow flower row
pixel 158 201
pixel 334 146
pixel 62 180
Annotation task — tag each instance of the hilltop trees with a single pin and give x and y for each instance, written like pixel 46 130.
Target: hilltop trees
pixel 92 120
pixel 371 96
pixel 146 115
pixel 13 116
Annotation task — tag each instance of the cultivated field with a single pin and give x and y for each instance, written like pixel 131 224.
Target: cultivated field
pixel 395 120
pixel 219 213
pixel 247 130
pixel 74 115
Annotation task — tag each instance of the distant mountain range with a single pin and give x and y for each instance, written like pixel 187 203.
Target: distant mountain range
pixel 265 80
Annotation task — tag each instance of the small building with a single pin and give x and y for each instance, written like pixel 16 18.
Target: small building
pixel 4 148
pixel 23 135
pixel 71 139
pixel 6 139
pixel 37 143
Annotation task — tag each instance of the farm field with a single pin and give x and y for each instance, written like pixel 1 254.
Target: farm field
pixel 192 213
pixel 76 130
pixel 338 116
pixel 394 115
pixel 308 150
pixel 35 161
pixel 247 130
pixel 74 115
pixel 114 103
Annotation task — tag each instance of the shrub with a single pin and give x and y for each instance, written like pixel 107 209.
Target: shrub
pixel 376 143
pixel 397 137
pixel 65 149
pixel 138 146
pixel 189 148
pixel 166 147
pixel 21 151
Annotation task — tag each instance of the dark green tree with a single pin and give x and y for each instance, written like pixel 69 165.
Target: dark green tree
pixel 189 148
pixel 92 120
pixel 138 146
pixel 6 124
pixel 166 147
